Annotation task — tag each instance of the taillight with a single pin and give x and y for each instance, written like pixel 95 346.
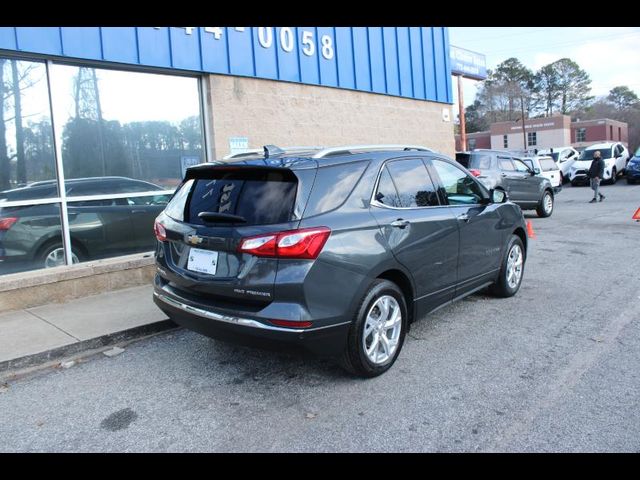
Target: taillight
pixel 475 173
pixel 158 229
pixel 7 222
pixel 304 243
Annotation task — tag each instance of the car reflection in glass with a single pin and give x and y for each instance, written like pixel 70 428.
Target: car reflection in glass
pixel 31 236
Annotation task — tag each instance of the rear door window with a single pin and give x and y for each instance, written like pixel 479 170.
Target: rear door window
pixel 387 193
pixel 413 183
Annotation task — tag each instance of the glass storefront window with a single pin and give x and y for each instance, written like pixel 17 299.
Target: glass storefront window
pixel 30 238
pixel 111 227
pixel 130 125
pixel 125 139
pixel 27 160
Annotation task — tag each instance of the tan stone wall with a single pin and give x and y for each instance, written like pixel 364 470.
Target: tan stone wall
pixel 61 284
pixel 287 114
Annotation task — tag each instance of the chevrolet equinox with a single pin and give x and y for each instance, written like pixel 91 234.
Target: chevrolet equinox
pixel 335 250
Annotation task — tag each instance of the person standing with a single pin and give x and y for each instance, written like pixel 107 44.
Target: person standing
pixel 596 172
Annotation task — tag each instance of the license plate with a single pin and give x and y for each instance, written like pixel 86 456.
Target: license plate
pixel 202 261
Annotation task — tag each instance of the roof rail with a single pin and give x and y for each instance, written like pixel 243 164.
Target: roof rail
pixel 260 151
pixel 348 148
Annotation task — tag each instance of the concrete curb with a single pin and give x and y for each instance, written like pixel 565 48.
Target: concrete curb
pixel 37 359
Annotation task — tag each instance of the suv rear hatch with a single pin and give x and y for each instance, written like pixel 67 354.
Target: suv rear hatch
pixel 208 221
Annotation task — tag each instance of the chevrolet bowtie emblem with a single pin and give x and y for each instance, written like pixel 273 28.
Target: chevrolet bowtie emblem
pixel 194 239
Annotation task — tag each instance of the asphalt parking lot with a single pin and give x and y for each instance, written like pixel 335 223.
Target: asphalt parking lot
pixel 555 368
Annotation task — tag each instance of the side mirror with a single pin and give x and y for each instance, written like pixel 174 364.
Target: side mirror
pixel 536 170
pixel 498 196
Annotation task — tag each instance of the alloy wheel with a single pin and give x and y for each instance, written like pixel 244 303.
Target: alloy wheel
pixel 381 332
pixel 514 266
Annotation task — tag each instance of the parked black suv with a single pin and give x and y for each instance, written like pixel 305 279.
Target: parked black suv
pixel 337 251
pixel 31 237
pixel 502 170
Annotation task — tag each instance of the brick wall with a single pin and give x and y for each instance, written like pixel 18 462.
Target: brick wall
pixel 281 113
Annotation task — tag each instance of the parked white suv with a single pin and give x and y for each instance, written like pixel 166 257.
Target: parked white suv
pixel 545 166
pixel 615 156
pixel 564 158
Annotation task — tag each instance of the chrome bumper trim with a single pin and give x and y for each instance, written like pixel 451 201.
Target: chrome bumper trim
pixel 246 322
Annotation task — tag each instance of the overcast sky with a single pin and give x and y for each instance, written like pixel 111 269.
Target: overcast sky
pixel 610 55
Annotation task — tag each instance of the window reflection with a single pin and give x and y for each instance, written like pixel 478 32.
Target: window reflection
pixel 26 138
pixel 127 124
pixel 30 238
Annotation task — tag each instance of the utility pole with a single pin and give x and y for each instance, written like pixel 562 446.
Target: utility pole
pixel 463 132
pixel 524 132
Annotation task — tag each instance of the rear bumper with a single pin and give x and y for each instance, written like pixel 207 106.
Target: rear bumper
pixel 328 341
pixel 633 174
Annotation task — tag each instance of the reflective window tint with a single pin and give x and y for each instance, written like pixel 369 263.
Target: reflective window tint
pixel 26 135
pixel 30 238
pixel 460 188
pixel 387 193
pixel 111 227
pixel 332 186
pixel 260 197
pixel 413 183
pixel 127 124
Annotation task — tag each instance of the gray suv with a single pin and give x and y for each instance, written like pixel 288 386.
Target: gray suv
pixel 503 170
pixel 336 251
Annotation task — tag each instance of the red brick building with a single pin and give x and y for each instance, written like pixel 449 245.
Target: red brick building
pixel 550 132
pixel 588 132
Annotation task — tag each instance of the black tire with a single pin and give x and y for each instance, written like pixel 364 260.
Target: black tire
pixel 630 181
pixel 501 287
pixel 354 358
pixel 540 209
pixel 51 247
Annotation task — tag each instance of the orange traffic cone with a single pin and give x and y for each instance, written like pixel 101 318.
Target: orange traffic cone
pixel 530 232
pixel 636 216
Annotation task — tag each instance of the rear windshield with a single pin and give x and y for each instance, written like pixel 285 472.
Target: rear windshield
pixel 480 161
pixel 548 164
pixel 260 196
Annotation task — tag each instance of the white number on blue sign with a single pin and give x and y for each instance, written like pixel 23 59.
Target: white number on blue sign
pixel 217 32
pixel 287 39
pixel 265 36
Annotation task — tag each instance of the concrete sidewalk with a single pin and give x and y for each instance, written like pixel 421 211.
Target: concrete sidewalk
pixel 38 335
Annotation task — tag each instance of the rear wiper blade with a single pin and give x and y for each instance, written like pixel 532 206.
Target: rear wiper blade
pixel 221 217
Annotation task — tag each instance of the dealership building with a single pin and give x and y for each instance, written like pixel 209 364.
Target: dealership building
pixel 547 132
pixel 100 123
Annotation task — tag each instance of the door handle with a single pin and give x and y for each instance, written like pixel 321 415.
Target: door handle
pixel 400 223
pixel 138 211
pixel 503 174
pixel 464 217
